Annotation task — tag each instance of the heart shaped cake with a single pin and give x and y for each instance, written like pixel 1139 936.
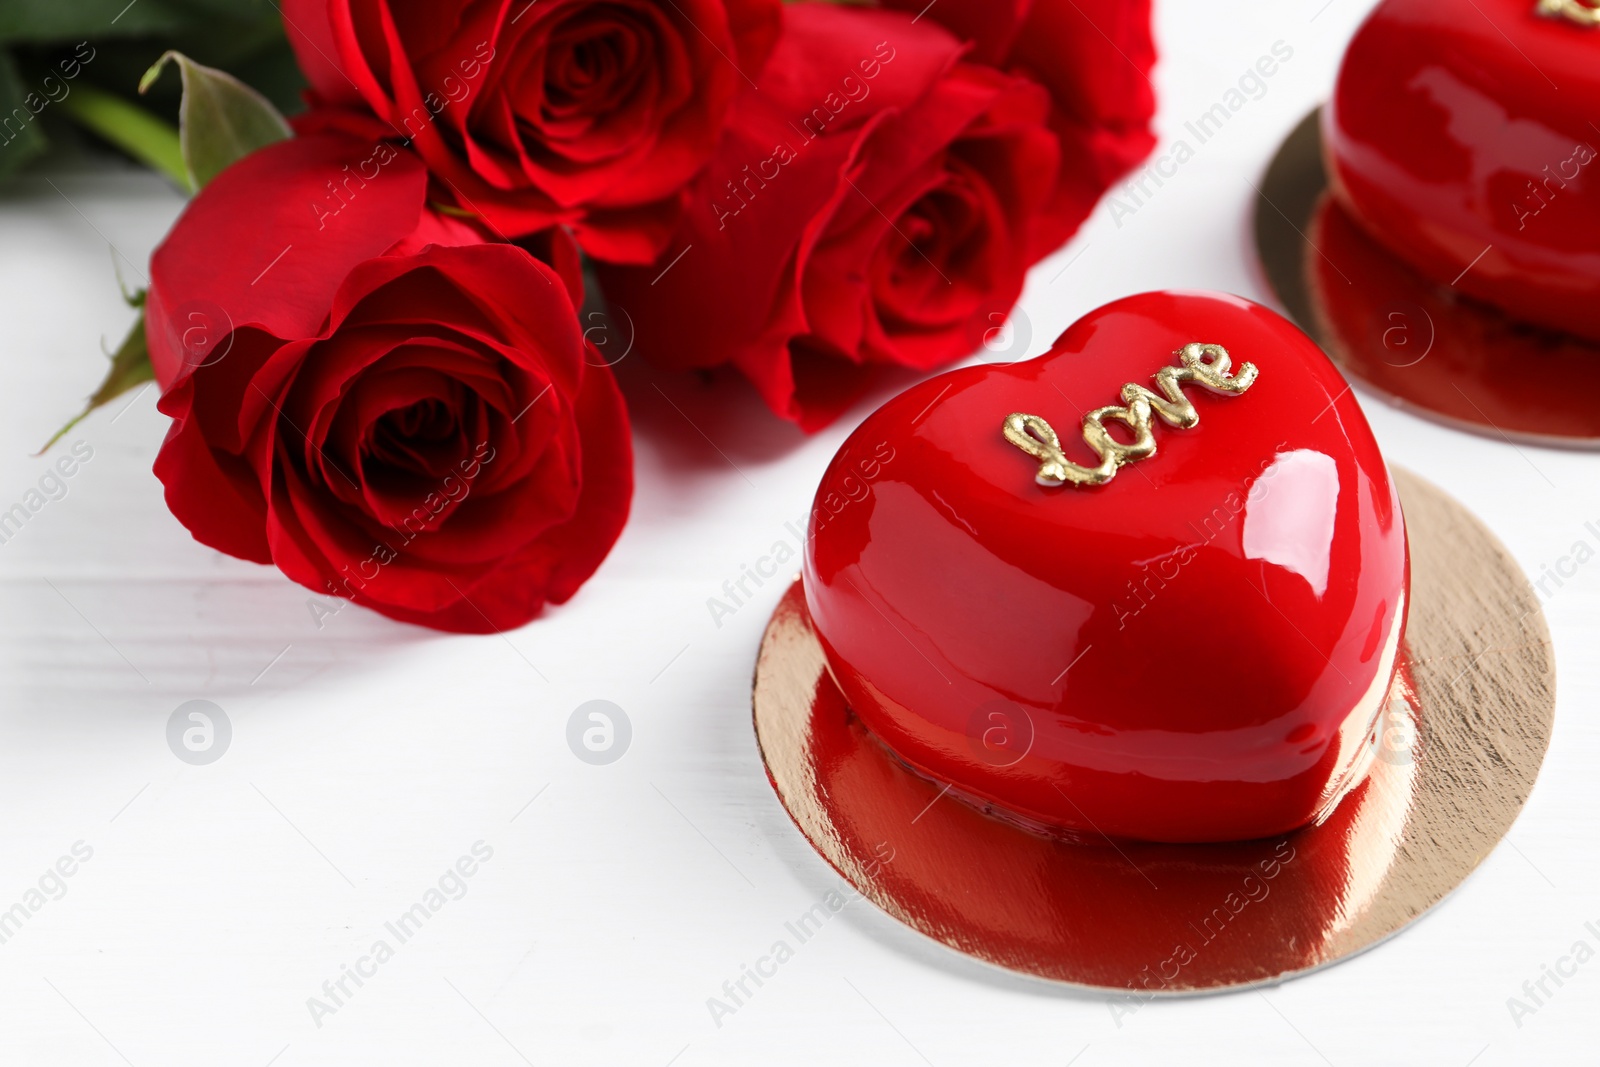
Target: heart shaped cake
pixel 1462 138
pixel 1150 585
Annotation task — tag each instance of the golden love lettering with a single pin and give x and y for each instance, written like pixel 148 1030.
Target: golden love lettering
pixel 1207 366
pixel 1583 12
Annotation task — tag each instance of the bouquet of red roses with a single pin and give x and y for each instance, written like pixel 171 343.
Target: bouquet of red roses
pixel 365 326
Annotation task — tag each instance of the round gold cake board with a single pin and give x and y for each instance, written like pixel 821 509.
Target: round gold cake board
pixel 1457 750
pixel 1417 343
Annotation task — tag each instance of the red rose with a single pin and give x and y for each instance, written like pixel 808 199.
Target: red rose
pixel 531 114
pixel 872 204
pixel 376 401
pixel 1094 56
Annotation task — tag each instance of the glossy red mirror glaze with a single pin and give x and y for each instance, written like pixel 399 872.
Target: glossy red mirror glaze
pixel 1460 137
pixel 1193 651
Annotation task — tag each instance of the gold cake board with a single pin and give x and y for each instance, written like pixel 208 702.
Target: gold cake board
pixel 1456 753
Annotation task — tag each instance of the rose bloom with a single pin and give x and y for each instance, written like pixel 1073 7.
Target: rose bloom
pixel 1094 57
pixel 367 395
pixel 582 113
pixel 873 204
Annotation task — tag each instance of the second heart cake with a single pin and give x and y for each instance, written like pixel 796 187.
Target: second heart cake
pixel 1150 585
pixel 1462 138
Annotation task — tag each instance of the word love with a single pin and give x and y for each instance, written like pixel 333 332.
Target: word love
pixel 1583 12
pixel 1036 437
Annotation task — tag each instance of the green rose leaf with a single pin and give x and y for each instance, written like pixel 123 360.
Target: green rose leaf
pixel 221 120
pixel 142 135
pixel 130 366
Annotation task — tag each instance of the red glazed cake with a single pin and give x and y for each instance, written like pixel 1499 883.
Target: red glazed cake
pixel 1462 138
pixel 1151 585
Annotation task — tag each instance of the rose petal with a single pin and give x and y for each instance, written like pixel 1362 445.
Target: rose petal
pixel 552 568
pixel 269 244
pixel 310 34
